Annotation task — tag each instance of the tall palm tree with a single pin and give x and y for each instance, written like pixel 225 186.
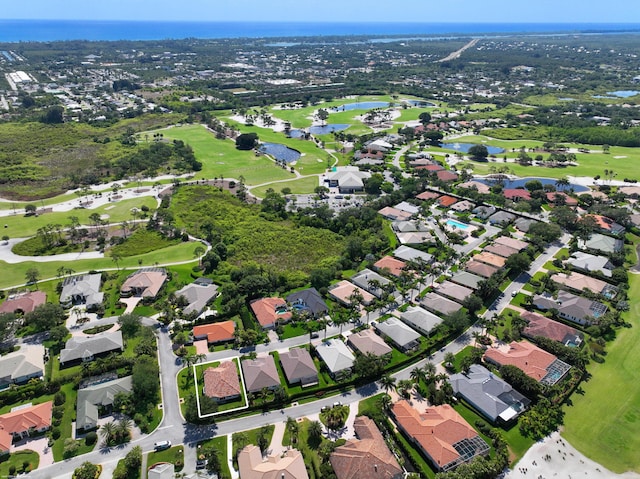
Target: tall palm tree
pixel 387 382
pixel 315 430
pixel 417 374
pixel 108 431
pixel 240 440
pixel 292 426
pixel 123 428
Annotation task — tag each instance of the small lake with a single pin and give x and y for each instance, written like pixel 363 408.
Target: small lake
pixel 465 147
pixel 363 105
pixel 520 182
pixel 295 133
pixel 618 94
pixel 326 129
pixel 280 152
pixel 420 103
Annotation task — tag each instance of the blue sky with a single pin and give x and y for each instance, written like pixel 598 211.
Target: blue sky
pixel 515 11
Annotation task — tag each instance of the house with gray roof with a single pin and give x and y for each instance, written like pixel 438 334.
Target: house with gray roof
pixel 399 333
pixel 299 367
pixel 523 224
pixel 453 291
pixel 407 253
pixel 198 295
pixel 20 366
pixel 337 357
pixel 483 212
pixel 98 398
pixel 494 398
pixel 368 342
pixel 408 207
pixel 83 289
pixel 420 319
pixel 501 218
pixel 466 279
pixel 591 263
pixel 308 300
pixel 571 307
pixel 260 373
pixel 409 226
pixel 439 304
pixel 415 237
pixel 348 179
pixel 364 280
pixel 602 243
pixel 87 348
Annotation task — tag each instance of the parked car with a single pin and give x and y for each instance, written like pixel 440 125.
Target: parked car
pixel 162 445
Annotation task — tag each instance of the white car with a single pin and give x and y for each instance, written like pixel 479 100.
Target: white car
pixel 162 445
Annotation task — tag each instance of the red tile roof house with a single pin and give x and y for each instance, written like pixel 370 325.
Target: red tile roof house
pixel 270 311
pixel 428 195
pixel 441 434
pixel 343 290
pixel 366 457
pixel 395 267
pixel 446 201
pixel 554 196
pixel 533 361
pixel 538 325
pixel 446 176
pixel 24 302
pixel 19 423
pixel 516 194
pixel 215 333
pixel 222 383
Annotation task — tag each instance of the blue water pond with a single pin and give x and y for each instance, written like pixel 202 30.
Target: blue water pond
pixel 465 147
pixel 280 152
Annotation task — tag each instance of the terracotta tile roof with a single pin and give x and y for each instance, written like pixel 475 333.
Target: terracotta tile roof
pixel 432 167
pixel 481 269
pixel 343 290
pixel 395 266
pixel 447 201
pixel 446 176
pixel 428 195
pixel 270 310
pixel 479 187
pixel 578 281
pixel 524 355
pixel 511 242
pixel 490 258
pixel 500 250
pixel 436 430
pixel 148 282
pixel 222 381
pixel 392 213
pixel 516 193
pixel 367 457
pixel 568 200
pixel 25 302
pixel 19 421
pixel 539 325
pixel 216 332
pixel 289 465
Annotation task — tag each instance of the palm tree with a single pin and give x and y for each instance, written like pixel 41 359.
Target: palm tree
pixel 240 440
pixel 429 370
pixel 417 374
pixel 449 359
pixel 387 382
pixel 292 426
pixel 108 431
pixel 315 430
pixel 404 386
pixel 385 402
pixel 562 183
pixel 123 429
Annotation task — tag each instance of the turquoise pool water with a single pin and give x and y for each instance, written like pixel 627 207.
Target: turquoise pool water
pixel 458 225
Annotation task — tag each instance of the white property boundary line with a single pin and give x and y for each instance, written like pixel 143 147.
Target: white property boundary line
pixel 236 360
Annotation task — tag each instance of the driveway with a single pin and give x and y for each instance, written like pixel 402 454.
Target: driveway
pixel 39 445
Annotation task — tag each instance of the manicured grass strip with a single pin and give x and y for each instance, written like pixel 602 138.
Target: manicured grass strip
pixel 17 460
pixel 602 423
pixel 298 187
pixel 174 455
pixel 218 443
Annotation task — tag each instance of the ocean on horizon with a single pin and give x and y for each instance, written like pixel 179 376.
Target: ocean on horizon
pixel 13 31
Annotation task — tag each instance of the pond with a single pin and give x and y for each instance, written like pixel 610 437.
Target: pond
pixel 420 103
pixel 326 129
pixel 363 105
pixel 280 152
pixel 520 182
pixel 464 147
pixel 295 133
pixel 618 94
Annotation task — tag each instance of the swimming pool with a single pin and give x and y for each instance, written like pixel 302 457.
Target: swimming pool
pixel 457 225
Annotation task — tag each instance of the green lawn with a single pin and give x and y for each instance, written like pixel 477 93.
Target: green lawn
pixel 220 157
pixel 174 455
pixel 19 226
pixel 14 274
pixel 299 186
pixel 252 438
pixel 603 422
pixel 17 459
pixel 219 443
